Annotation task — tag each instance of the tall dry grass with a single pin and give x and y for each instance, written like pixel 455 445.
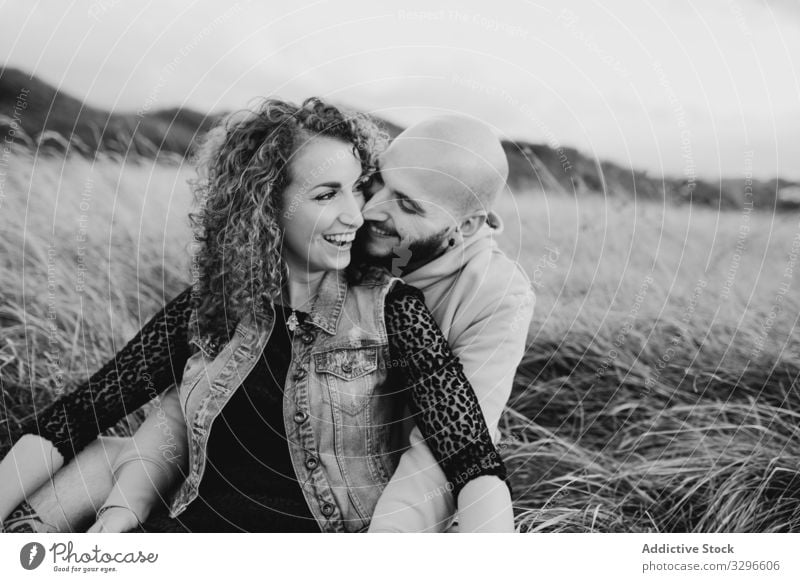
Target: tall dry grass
pixel 659 391
pixel 88 253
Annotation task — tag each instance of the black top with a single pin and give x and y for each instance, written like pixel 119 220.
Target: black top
pixel 249 465
pixel 247 446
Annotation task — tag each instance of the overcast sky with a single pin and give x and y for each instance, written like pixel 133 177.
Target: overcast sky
pixel 667 86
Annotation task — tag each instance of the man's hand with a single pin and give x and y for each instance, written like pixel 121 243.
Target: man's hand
pixel 484 506
pixel 115 520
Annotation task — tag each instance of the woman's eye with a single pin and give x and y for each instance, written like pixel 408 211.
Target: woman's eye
pixel 326 195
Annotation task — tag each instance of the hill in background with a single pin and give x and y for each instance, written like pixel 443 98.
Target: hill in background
pixel 38 115
pixel 56 121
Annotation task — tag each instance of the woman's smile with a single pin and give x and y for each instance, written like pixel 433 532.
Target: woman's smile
pixel 341 240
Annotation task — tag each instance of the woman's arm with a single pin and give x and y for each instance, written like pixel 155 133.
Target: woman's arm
pixel 147 470
pixel 448 414
pixel 145 367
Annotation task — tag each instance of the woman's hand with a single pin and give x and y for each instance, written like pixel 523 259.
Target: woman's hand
pixel 115 519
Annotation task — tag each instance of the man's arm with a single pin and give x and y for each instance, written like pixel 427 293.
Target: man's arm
pixel 490 349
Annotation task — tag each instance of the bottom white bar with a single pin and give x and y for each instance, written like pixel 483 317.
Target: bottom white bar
pixel 229 557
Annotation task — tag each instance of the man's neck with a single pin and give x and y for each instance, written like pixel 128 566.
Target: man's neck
pixel 415 265
pixel 398 267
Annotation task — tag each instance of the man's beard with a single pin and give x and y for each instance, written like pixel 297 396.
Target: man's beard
pixel 403 257
pixel 425 250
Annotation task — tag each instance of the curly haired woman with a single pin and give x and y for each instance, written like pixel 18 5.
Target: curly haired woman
pixel 285 371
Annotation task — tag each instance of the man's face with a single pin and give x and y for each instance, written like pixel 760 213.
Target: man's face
pixel 410 206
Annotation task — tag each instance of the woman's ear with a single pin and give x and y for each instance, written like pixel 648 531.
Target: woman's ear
pixel 471 224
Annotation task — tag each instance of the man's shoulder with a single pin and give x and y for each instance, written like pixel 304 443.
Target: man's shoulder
pixel 493 275
pixel 496 302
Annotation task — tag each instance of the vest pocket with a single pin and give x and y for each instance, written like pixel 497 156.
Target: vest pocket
pixel 349 374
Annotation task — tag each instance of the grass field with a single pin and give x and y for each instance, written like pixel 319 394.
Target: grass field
pixel 660 387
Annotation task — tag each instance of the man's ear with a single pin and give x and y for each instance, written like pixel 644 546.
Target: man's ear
pixel 471 224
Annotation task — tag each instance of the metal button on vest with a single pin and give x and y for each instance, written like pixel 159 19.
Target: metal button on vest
pixel 347 367
pixel 300 416
pixel 327 509
pixel 307 338
pixel 311 463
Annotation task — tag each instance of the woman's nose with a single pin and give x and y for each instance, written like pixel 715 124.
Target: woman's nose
pixel 351 212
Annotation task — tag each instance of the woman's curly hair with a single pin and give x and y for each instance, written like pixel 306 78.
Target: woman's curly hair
pixel 243 170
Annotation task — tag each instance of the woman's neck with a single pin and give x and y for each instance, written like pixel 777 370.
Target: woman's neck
pixel 300 289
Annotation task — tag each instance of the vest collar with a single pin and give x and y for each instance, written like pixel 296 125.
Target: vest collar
pixel 330 301
pixel 326 310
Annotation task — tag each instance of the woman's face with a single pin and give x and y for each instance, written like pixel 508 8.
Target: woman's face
pixel 321 206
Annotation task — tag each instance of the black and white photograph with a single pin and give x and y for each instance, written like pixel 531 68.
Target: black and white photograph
pixel 401 267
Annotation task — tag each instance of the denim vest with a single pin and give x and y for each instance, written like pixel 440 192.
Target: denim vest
pixel 342 419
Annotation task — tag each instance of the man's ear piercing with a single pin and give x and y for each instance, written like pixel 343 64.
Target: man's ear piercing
pixel 451 242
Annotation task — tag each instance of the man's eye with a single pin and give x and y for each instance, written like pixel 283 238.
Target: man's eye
pixel 407 206
pixel 369 184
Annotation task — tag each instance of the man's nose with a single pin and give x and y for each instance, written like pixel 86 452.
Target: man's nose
pixel 376 206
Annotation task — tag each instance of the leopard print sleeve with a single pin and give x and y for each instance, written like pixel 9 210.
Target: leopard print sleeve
pixel 149 364
pixel 445 406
